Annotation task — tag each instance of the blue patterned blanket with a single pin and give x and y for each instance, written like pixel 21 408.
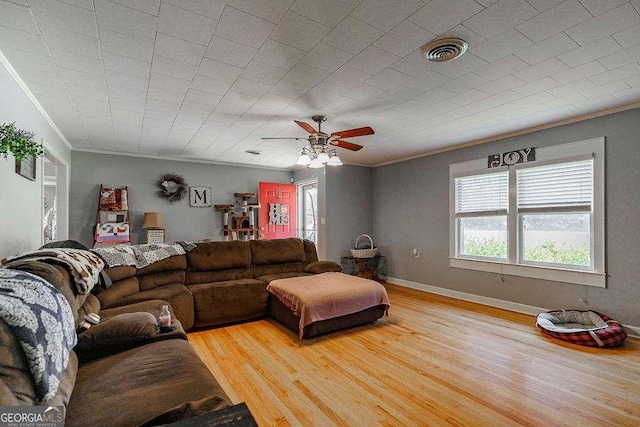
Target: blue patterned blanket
pixel 41 319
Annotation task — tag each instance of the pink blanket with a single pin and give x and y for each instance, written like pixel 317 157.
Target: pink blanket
pixel 327 295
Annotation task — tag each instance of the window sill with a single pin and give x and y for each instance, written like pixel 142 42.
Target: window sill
pixel 586 278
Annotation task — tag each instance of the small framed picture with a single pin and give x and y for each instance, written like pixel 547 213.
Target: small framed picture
pixel 26 168
pixel 155 235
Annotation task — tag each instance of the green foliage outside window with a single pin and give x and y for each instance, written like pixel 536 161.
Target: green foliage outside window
pixel 487 247
pixel 549 252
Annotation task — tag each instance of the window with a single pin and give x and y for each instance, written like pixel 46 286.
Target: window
pixel 542 219
pixel 481 210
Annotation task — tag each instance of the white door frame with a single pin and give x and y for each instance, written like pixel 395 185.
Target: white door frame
pixel 299 186
pixel 62 193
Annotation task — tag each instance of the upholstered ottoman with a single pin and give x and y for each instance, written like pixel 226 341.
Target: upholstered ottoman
pixel 322 303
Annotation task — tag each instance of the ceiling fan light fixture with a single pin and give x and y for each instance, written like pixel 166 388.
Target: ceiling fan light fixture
pixel 334 161
pixel 304 159
pixel 323 156
pixel 443 50
pixel 316 163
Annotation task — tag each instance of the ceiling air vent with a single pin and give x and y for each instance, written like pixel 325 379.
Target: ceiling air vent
pixel 254 152
pixel 443 50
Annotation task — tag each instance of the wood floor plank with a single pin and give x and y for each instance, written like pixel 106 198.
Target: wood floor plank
pixel 433 361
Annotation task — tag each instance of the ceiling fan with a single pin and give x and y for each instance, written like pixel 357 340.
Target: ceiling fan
pixel 318 152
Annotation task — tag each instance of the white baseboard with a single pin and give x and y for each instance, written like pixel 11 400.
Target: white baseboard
pixel 632 331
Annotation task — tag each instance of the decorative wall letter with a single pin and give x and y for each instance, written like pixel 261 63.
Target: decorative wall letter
pixel 200 197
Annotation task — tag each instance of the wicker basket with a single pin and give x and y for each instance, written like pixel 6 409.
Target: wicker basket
pixel 364 253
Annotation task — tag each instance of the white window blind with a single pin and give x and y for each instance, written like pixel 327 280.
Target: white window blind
pixel 556 187
pixel 485 194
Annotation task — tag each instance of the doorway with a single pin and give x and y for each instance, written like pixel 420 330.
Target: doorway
pixel 308 210
pixel 55 198
pixel 50 211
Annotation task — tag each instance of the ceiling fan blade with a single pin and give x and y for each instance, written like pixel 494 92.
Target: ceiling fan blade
pixel 275 137
pixel 350 133
pixel 306 126
pixel 345 144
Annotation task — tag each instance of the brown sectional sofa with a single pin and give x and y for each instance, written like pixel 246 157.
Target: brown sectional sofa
pixel 123 372
pixel 217 282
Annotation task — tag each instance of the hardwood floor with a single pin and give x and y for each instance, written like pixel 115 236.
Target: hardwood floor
pixel 433 361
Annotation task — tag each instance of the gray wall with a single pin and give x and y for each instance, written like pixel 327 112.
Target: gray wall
pixel 344 201
pixel 349 208
pixel 411 210
pixel 183 222
pixel 20 199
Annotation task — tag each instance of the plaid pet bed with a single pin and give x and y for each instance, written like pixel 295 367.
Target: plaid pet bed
pixel 581 327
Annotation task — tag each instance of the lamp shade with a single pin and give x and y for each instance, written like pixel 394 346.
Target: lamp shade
pixel 304 159
pixel 334 161
pixel 316 163
pixel 323 157
pixel 153 220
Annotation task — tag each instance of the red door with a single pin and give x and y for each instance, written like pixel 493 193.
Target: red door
pixel 277 210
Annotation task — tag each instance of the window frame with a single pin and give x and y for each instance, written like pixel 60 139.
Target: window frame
pixel 593 275
pixel 479 214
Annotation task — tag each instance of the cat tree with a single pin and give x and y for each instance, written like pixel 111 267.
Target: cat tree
pixel 242 217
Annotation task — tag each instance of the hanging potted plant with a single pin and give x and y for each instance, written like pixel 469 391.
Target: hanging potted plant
pixel 19 142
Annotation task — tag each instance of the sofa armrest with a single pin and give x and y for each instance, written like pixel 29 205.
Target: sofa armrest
pixel 323 267
pixel 122 332
pixel 123 329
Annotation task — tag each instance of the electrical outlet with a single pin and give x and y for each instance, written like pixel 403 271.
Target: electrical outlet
pixel 584 300
pixel 416 253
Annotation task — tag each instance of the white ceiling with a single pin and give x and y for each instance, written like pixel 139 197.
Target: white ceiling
pixel 205 79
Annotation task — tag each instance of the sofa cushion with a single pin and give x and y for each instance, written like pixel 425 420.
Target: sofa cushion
pixel 7 398
pixel 119 273
pixel 209 256
pixel 176 294
pixel 14 368
pixel 176 262
pixel 153 306
pixel 267 269
pixel 269 277
pixel 67 383
pixel 118 291
pixel 277 251
pixel 137 385
pixel 231 301
pixel 155 280
pixel 195 277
